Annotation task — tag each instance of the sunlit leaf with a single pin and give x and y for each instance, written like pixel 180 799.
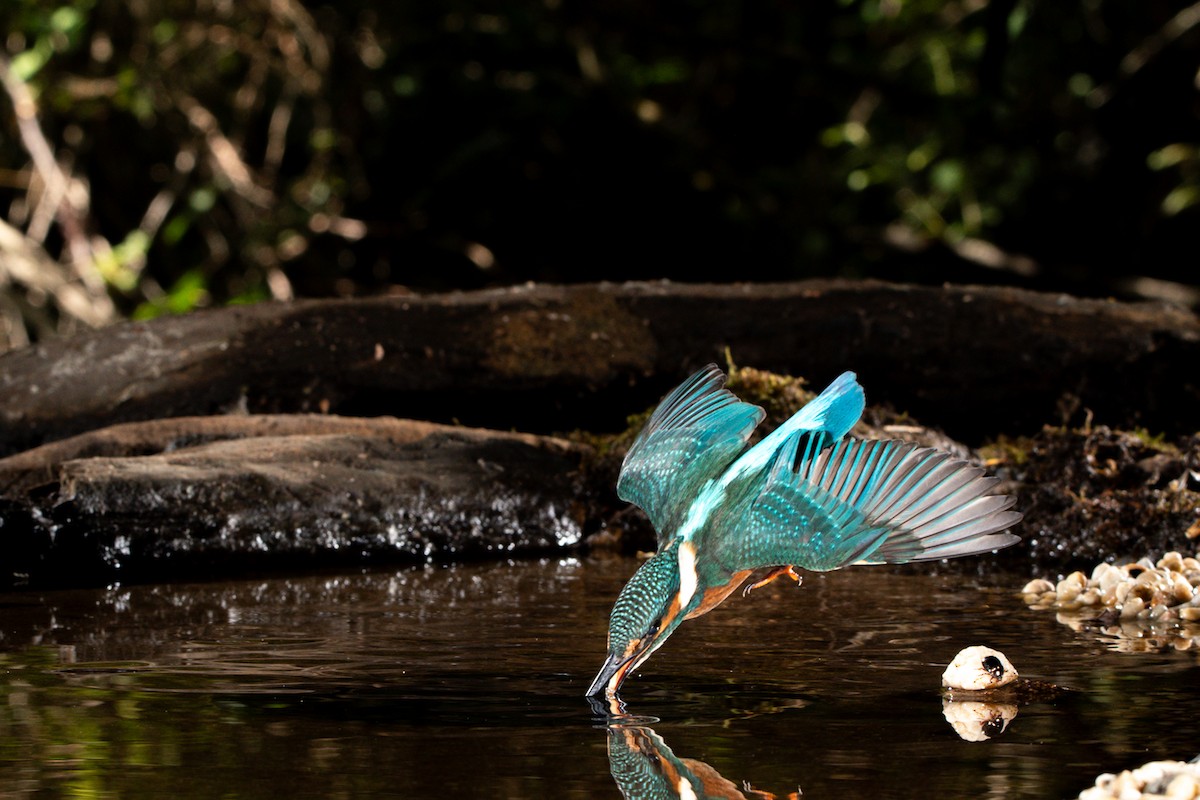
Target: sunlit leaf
pixel 26 64
pixel 203 199
pixel 66 19
pixel 947 176
pixel 1180 198
pixel 1170 156
pixel 175 228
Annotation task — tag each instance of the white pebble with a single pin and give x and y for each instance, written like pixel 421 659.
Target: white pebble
pixel 1181 590
pixel 978 668
pixel 1132 607
pixel 1172 561
pixel 1147 596
pixel 1183 787
pixel 1181 781
pixel 1070 587
pixel 1038 586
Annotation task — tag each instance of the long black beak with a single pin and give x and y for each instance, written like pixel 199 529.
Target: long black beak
pixel 613 667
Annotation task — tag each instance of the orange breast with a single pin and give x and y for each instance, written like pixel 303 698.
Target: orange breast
pixel 714 596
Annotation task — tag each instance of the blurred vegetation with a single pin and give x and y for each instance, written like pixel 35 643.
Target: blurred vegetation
pixel 160 155
pixel 112 731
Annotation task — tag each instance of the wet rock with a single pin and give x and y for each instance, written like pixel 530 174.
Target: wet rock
pixel 546 358
pixel 222 495
pixel 984 674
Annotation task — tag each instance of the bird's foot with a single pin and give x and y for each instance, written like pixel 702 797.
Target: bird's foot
pixel 752 792
pixel 775 572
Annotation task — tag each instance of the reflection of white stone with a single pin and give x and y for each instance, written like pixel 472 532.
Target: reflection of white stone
pixel 977 669
pixel 977 722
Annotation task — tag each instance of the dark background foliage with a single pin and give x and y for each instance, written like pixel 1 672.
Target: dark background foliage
pixel 218 151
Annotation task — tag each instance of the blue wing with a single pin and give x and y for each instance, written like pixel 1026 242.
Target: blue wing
pixel 828 504
pixel 833 412
pixel 693 435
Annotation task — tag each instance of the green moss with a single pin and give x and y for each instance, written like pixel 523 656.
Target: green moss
pixel 1007 451
pixel 1155 441
pixel 779 395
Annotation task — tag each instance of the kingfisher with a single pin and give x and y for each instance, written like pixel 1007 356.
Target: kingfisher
pixel 805 497
pixel 644 768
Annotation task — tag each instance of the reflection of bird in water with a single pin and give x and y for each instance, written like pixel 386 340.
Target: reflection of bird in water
pixel 644 768
pixel 805 496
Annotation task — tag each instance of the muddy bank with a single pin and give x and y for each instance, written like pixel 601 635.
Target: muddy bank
pixel 1099 494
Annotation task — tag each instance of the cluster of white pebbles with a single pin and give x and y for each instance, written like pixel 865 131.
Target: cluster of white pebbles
pixel 1142 600
pixel 1175 780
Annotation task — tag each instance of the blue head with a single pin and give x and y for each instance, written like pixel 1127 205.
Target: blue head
pixel 647 611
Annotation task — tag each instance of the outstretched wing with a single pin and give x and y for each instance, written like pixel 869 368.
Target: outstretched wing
pixel 693 435
pixel 826 505
pixel 832 413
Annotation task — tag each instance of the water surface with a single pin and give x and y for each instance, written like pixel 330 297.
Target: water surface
pixel 468 681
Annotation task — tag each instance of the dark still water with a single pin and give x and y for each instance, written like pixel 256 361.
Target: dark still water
pixel 467 682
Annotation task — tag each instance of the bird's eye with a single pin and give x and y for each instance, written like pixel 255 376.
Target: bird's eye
pixel 654 626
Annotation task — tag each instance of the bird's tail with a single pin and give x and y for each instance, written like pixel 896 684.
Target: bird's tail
pixel 927 504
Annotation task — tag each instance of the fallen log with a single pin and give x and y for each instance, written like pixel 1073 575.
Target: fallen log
pixel 974 361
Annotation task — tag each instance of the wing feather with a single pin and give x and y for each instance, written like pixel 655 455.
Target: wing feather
pixel 693 435
pixel 826 505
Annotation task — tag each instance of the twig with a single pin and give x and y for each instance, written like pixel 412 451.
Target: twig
pixel 28 265
pixel 1150 47
pixel 70 208
pixel 224 157
pixel 53 178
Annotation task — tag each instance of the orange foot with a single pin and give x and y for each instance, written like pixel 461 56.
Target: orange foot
pixel 750 790
pixel 772 575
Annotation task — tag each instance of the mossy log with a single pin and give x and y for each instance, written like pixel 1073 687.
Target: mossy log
pixel 973 361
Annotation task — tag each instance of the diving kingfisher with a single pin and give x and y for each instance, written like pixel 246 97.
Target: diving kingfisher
pixel 805 497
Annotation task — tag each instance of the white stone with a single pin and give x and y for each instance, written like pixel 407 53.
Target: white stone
pixel 968 672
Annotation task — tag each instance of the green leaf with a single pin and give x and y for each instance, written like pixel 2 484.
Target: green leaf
pixel 203 199
pixel 948 176
pixel 29 63
pixel 66 19
pixel 1180 198
pixel 175 228
pixel 188 292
